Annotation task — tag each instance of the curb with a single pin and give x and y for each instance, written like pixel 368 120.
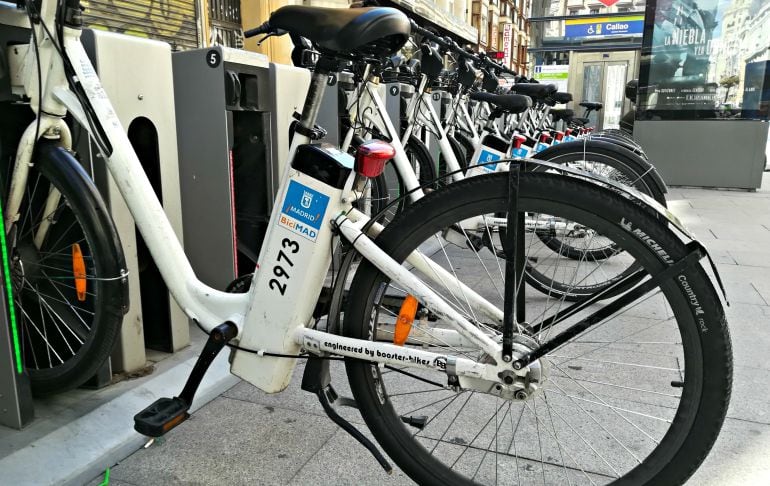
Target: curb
pixel 81 450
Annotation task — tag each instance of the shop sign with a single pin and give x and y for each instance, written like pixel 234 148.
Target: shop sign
pixel 507 43
pixel 604 26
pixel 557 75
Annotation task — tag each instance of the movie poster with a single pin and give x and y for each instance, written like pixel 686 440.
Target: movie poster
pixel 695 54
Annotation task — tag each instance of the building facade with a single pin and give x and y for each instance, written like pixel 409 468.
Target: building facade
pixel 504 26
pixel 553 39
pixel 745 39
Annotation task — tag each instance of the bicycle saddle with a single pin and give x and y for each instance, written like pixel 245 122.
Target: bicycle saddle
pixel 561 97
pixel 592 105
pixel 378 31
pixel 562 114
pixel 513 103
pixel 631 88
pixel 534 90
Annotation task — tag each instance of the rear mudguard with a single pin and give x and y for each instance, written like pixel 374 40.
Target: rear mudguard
pixel 651 174
pixel 68 171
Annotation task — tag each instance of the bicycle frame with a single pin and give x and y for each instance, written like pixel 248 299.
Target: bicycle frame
pixel 272 316
pixel 371 108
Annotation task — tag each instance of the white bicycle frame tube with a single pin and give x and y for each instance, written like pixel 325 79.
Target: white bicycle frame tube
pixel 378 116
pixel 438 274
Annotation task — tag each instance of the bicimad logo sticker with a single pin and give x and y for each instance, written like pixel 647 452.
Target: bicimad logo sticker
pixel 303 210
pixel 485 157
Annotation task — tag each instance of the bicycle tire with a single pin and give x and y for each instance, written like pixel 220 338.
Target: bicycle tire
pixel 703 336
pixel 94 323
pixel 609 161
pixel 422 163
pixel 614 156
pixel 459 153
pixel 467 144
pixel 621 141
pixel 614 163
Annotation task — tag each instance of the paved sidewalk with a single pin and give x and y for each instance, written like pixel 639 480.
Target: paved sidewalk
pixel 248 437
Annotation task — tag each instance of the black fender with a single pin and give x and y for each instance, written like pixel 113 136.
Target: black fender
pixel 640 165
pixel 64 167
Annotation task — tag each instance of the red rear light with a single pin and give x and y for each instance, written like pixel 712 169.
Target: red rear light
pixel 544 136
pixel 559 136
pixel 518 140
pixel 372 156
pixel 568 131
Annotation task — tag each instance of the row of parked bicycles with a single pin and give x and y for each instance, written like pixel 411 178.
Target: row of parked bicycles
pixel 521 309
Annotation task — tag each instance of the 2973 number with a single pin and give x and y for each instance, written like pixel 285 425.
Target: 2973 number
pixel 275 283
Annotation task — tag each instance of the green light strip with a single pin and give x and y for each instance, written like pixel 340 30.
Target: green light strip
pixel 9 292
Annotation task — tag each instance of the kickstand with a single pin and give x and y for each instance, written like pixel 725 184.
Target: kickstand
pixel 317 380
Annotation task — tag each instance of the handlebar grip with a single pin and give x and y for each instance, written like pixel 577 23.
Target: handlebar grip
pixel 262 29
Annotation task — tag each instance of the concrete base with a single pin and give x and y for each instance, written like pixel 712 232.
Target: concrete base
pixel 706 153
pixel 84 448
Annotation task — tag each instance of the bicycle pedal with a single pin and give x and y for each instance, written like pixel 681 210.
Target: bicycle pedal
pixel 161 416
pixel 417 422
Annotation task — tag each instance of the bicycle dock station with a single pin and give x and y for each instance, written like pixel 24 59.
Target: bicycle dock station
pixel 474 283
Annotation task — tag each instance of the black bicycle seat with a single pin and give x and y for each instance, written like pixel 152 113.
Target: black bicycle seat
pixel 561 97
pixel 592 105
pixel 534 90
pixel 378 31
pixel 631 88
pixel 512 103
pixel 562 114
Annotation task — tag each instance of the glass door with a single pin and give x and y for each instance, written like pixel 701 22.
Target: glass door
pixel 592 87
pixel 601 77
pixel 614 93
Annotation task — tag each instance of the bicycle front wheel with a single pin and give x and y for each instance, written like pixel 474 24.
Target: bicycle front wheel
pixel 640 397
pixel 66 264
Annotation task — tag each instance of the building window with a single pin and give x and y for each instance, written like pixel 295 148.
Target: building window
pixel 593 11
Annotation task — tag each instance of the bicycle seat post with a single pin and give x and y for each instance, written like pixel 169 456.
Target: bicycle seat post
pixel 318 82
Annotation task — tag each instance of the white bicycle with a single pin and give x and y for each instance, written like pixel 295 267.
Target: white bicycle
pixel 458 376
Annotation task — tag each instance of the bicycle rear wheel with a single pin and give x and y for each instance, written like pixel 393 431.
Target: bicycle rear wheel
pixel 640 398
pixel 66 264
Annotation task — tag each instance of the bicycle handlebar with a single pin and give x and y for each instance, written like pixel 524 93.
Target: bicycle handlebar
pixel 451 45
pixel 265 28
pixel 262 29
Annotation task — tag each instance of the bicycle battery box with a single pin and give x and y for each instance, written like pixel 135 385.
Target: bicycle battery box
pixel 292 265
pixel 492 149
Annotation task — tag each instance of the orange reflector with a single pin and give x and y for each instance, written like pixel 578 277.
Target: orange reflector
pixel 175 421
pixel 405 320
pixel 79 271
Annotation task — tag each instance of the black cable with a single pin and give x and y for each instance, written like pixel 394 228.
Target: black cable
pixel 91 117
pixel 39 71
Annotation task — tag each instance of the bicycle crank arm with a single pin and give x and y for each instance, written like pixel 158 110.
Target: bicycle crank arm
pixel 166 413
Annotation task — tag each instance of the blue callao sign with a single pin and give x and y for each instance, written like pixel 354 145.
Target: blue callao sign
pixel 604 26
